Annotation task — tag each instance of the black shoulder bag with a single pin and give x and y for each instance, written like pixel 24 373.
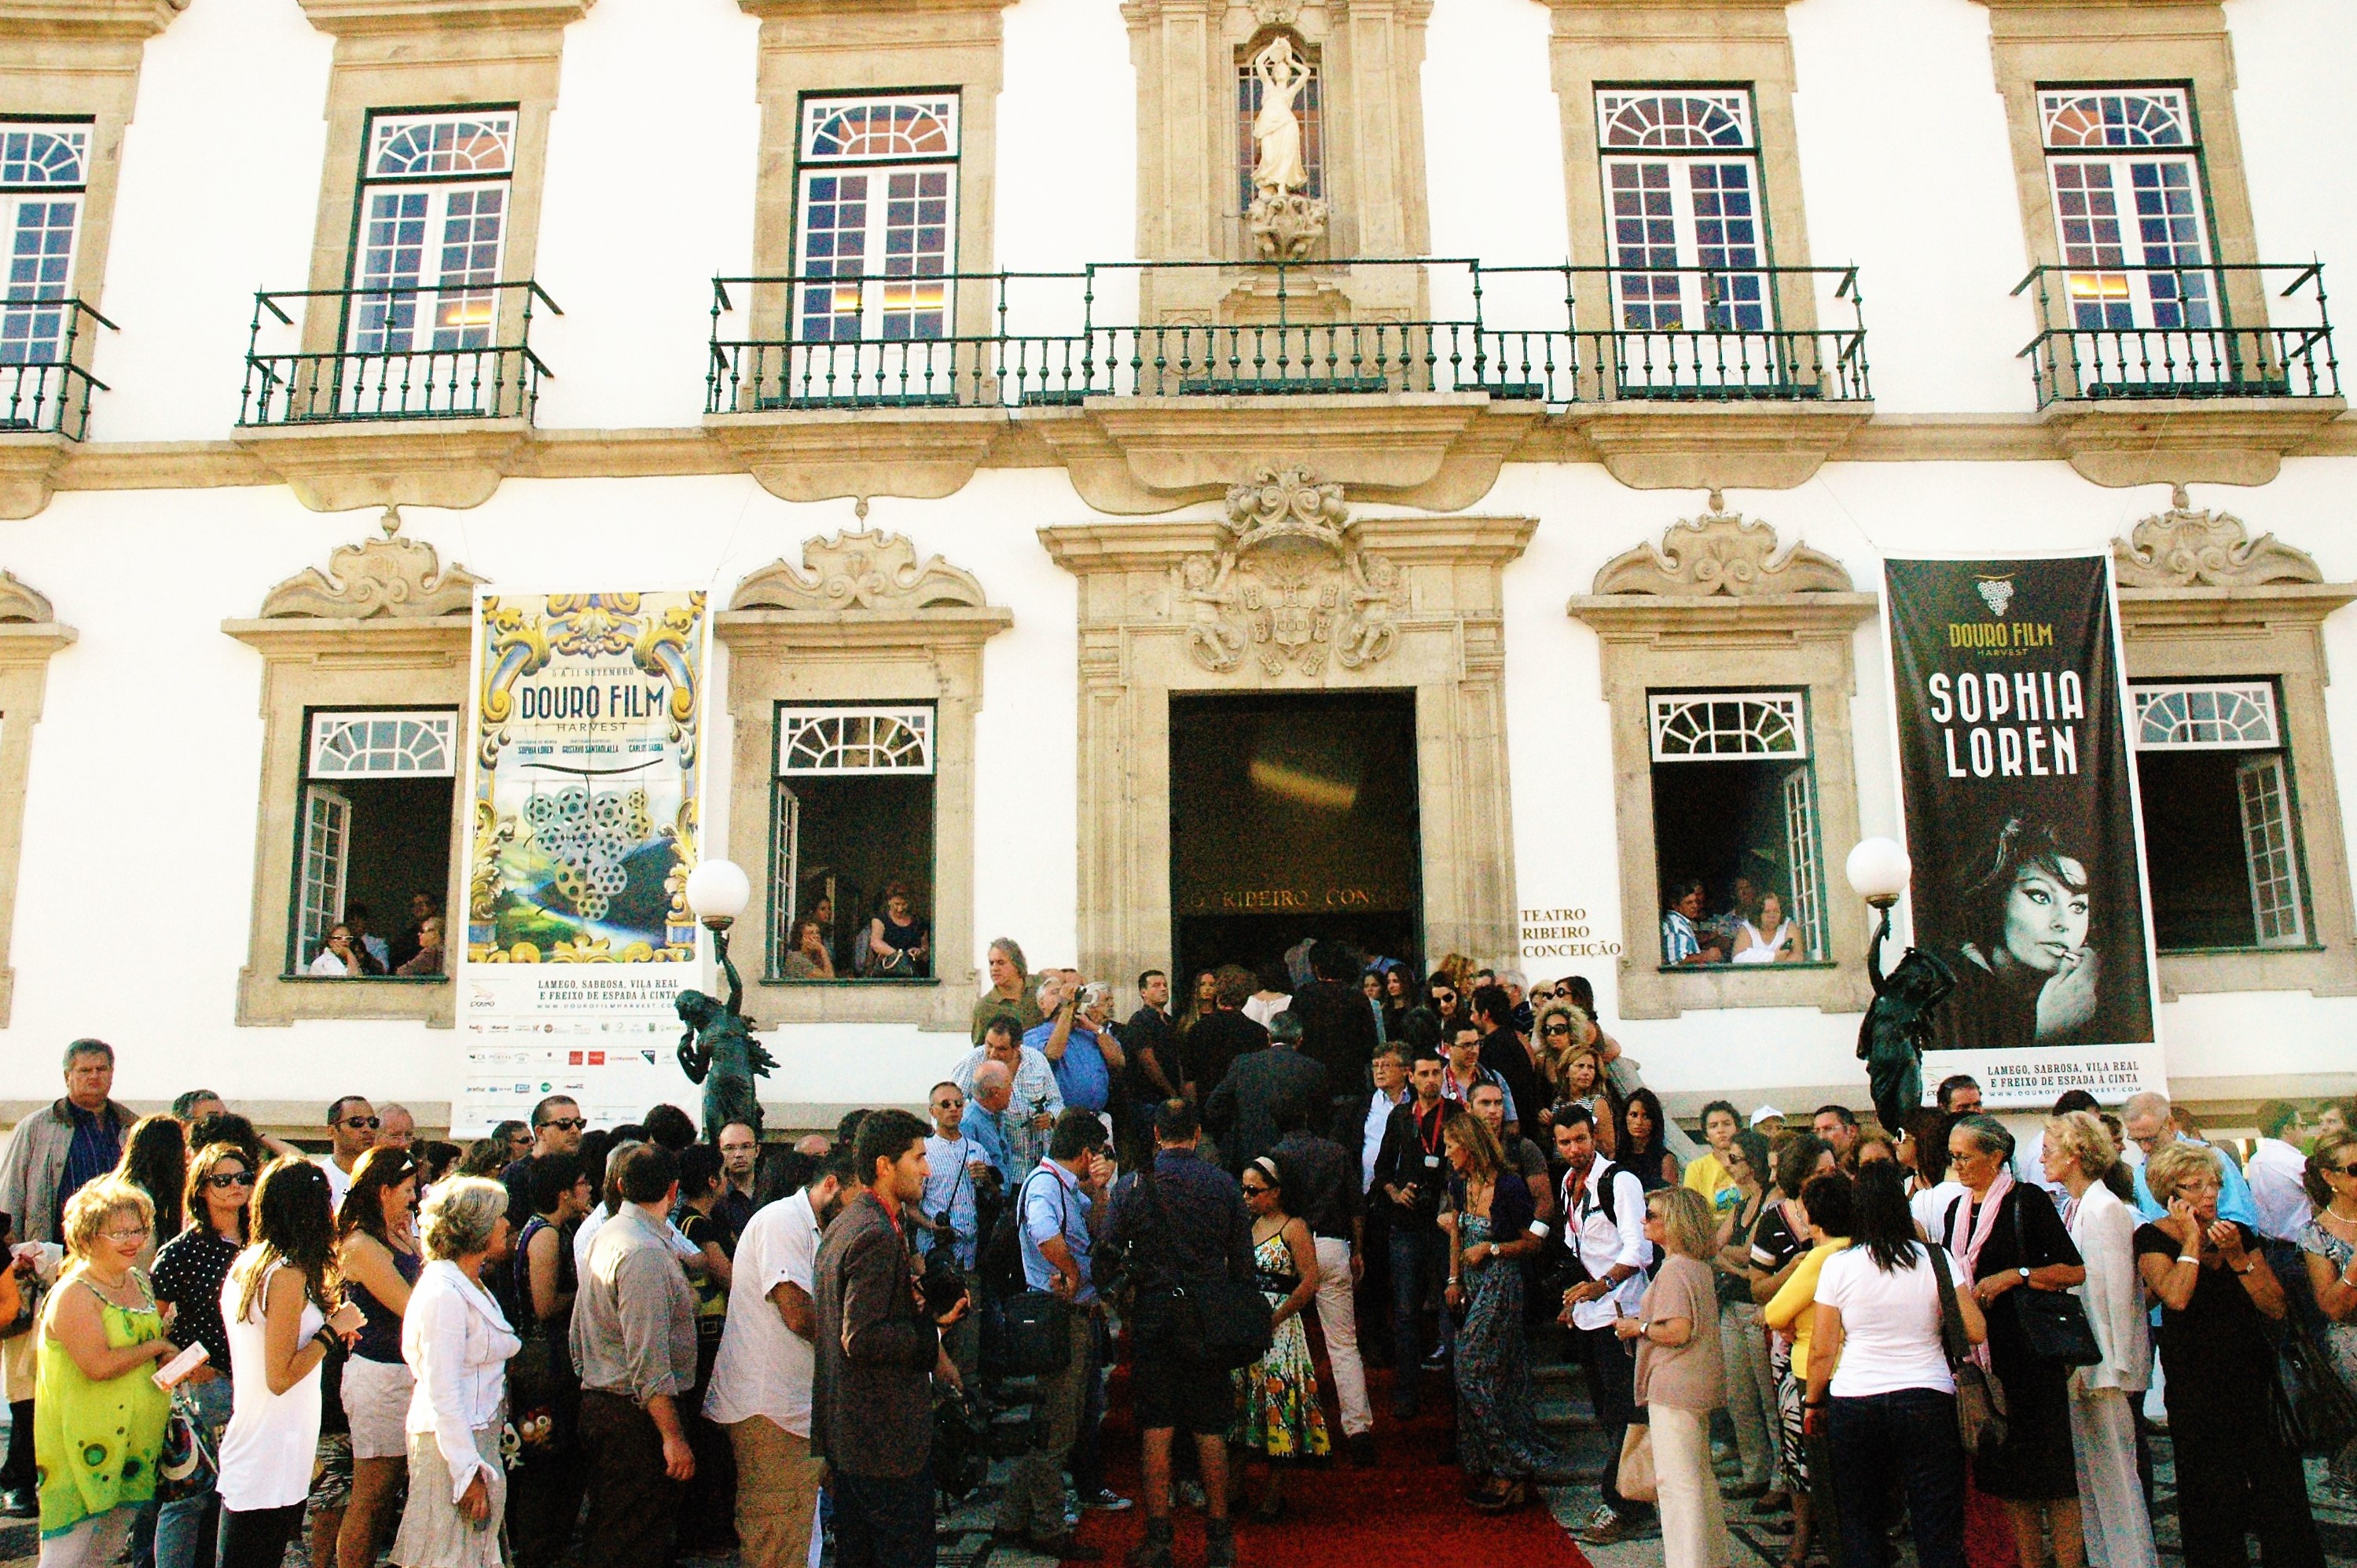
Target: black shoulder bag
pixel 1224 1323
pixel 1036 1325
pixel 1980 1397
pixel 2053 1322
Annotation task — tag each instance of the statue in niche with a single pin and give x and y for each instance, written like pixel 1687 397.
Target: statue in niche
pixel 1285 219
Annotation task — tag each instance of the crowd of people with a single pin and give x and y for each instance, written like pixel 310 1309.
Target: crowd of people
pixel 629 1344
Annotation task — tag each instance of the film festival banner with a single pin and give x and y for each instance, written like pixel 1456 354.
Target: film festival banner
pixel 2022 818
pixel 585 750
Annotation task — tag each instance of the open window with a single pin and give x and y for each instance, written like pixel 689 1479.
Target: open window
pixel 373 824
pixel 2221 840
pixel 852 830
pixel 1735 808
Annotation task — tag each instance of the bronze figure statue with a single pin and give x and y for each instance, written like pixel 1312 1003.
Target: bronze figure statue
pixel 1898 1025
pixel 719 1052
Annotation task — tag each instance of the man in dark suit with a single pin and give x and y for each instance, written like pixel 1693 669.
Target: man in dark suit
pixel 1223 1035
pixel 1242 1112
pixel 1338 1028
pixel 1503 1053
pixel 872 1398
pixel 1411 1176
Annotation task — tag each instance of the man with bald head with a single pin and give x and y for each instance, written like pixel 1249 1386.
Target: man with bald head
pixel 396 1126
pixel 991 1120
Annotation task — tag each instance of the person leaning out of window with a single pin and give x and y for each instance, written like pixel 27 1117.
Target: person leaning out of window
pixel 339 958
pixel 899 941
pixel 2218 1303
pixel 1879 1384
pixel 428 958
pixel 2079 1156
pixel 806 955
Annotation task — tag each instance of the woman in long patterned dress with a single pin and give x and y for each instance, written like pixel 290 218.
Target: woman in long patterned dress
pixel 1489 1215
pixel 2330 1242
pixel 1278 1417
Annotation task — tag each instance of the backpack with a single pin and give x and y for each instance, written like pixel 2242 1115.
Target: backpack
pixel 1606 1202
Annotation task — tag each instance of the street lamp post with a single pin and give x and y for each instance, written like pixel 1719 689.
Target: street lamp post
pixel 719 1050
pixel 1899 1024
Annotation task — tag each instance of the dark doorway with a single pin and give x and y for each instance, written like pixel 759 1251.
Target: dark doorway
pixel 1292 816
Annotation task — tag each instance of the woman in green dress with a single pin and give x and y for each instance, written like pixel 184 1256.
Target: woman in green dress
pixel 98 1416
pixel 1278 1418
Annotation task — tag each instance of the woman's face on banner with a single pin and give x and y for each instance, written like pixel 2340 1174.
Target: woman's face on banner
pixel 2046 913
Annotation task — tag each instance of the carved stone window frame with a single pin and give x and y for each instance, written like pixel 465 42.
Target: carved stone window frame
pixel 863 621
pixel 1718 594
pixel 1417 604
pixel 2200 599
pixel 29 634
pixel 385 626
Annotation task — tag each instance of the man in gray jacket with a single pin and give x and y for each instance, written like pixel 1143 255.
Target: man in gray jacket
pixel 53 1152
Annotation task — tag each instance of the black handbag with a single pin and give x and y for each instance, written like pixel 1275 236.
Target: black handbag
pixel 2312 1409
pixel 1036 1335
pixel 2053 1322
pixel 1226 1323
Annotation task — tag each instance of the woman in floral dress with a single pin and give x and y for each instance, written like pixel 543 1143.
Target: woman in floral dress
pixel 2330 1242
pixel 1487 1218
pixel 1278 1416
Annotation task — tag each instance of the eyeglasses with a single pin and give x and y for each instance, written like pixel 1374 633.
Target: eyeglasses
pixel 1254 1188
pixel 128 1238
pixel 357 1122
pixel 221 1181
pixel 566 1123
pixel 2348 1170
pixel 949 1104
pixel 1557 1029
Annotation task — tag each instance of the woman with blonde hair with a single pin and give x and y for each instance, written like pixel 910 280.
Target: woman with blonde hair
pixel 98 1416
pixel 1681 1378
pixel 2080 1157
pixel 457 1342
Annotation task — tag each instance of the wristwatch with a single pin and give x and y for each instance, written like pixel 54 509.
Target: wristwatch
pixel 2024 1274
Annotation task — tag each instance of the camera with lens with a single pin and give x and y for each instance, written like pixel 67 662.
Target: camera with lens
pixel 944 1284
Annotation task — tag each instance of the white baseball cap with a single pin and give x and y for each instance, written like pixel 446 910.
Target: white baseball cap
pixel 1765 1113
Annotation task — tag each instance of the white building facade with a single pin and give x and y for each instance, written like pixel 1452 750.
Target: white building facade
pixel 1060 402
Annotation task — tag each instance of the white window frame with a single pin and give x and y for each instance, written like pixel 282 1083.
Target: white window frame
pixel 2240 716
pixel 44 166
pixel 388 743
pixel 899 298
pixel 1802 852
pixel 2119 141
pixel 915 720
pixel 436 277
pixel 322 870
pixel 1775 712
pixel 1663 153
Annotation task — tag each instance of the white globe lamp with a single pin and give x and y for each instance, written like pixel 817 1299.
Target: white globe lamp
pixel 1877 868
pixel 717 891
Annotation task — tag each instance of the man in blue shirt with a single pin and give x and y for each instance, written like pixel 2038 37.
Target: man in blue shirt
pixel 1077 1039
pixel 2145 1118
pixel 1054 1203
pixel 948 1214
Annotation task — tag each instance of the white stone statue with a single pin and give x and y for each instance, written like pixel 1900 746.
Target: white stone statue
pixel 1277 128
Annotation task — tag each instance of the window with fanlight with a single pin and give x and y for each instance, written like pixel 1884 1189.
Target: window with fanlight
pixel 876 227
pixel 1684 218
pixel 852 825
pixel 1735 808
pixel 2221 821
pixel 44 181
pixel 376 795
pixel 2131 211
pixel 434 196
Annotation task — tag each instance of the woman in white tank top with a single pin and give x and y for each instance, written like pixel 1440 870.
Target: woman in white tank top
pixel 272 1307
pixel 1772 940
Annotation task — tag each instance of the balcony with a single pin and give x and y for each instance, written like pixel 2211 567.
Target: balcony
pixel 2176 374
pixel 1554 336
pixel 2169 332
pixel 44 391
pixel 396 353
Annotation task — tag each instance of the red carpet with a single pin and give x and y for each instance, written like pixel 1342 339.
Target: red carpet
pixel 1410 1508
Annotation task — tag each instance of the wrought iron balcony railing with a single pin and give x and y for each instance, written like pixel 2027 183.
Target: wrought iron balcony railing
pixel 43 387
pixel 460 351
pixel 2108 332
pixel 1164 329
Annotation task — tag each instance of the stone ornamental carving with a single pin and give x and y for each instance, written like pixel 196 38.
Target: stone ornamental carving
pixel 2182 548
pixel 1283 219
pixel 1290 584
pixel 863 569
pixel 19 603
pixel 1721 553
pixel 388 576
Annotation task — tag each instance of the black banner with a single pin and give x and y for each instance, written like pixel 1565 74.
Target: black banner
pixel 2020 806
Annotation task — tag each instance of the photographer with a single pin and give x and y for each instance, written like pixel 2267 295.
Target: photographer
pixel 1055 1204
pixel 1077 1039
pixel 950 1218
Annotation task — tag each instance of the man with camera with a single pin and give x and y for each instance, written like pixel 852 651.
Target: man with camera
pixel 963 1174
pixel 1077 1039
pixel 1034 1098
pixel 1054 1206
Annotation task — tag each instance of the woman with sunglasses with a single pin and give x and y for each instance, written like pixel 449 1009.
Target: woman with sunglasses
pixel 378 1258
pixel 2328 1245
pixel 1278 1418
pixel 1742 1338
pixel 1489 1217
pixel 98 1417
pixel 189 1275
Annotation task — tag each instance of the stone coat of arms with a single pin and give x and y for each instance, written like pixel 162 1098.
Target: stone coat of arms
pixel 1290 582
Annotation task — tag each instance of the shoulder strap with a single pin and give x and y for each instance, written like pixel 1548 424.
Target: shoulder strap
pixel 1952 1317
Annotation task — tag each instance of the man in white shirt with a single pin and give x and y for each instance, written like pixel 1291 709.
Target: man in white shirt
pixel 2277 1173
pixel 1390 1094
pixel 949 1216
pixel 760 1387
pixel 351 1130
pixel 1603 1229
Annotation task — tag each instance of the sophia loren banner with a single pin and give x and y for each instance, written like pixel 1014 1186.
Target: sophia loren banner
pixel 2020 806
